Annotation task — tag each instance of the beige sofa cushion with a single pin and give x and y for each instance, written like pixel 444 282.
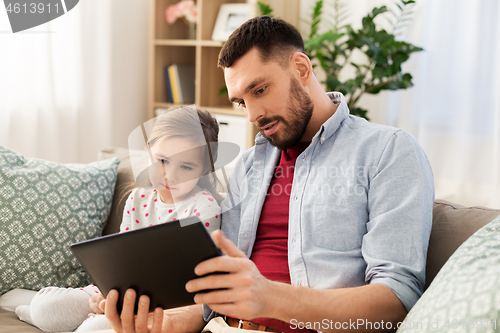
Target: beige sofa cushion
pixel 465 295
pixel 452 224
pixel 125 183
pixel 9 322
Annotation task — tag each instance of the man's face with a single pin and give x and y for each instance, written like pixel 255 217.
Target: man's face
pixel 272 98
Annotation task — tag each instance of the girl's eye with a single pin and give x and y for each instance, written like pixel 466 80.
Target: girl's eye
pixel 185 167
pixel 163 161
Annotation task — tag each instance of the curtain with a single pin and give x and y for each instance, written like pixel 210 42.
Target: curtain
pixel 454 107
pixel 75 84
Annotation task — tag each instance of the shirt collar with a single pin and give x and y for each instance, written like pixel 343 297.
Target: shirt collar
pixel 329 127
pixel 332 124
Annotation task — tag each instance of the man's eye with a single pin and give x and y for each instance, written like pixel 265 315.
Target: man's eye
pixel 260 91
pixel 241 103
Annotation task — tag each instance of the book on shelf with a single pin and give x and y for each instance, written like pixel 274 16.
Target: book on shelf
pixel 172 76
pixel 168 86
pixel 181 82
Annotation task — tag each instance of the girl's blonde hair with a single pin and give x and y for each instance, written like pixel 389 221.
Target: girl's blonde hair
pixel 184 122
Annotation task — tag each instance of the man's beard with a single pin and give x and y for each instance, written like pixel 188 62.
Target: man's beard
pixel 298 112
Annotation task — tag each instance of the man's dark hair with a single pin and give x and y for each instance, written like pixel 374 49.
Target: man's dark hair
pixel 274 38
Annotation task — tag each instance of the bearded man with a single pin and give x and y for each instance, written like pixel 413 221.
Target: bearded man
pixel 332 214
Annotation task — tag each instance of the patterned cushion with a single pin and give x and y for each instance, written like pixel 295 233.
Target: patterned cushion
pixel 465 295
pixel 45 207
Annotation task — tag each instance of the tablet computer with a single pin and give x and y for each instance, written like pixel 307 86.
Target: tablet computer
pixel 156 261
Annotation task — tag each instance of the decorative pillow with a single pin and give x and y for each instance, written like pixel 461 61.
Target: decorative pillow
pixel 44 208
pixel 465 295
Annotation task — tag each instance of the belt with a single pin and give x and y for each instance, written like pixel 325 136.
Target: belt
pixel 248 325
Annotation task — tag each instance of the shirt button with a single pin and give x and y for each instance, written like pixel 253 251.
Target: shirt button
pixel 296 198
pixel 322 138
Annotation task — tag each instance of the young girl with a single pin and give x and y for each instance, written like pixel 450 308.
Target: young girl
pixel 182 154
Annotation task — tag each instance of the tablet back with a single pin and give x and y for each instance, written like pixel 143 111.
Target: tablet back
pixel 156 261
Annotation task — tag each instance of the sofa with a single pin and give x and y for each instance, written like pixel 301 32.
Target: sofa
pixel 452 225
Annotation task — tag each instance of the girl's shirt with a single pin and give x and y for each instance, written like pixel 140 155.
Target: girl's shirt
pixel 144 208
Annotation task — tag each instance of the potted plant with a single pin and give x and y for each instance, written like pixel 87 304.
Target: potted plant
pixel 379 68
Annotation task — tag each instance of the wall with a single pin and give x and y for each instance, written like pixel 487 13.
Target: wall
pixel 130 32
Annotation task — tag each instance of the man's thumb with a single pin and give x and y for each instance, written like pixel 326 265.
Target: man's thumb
pixel 226 245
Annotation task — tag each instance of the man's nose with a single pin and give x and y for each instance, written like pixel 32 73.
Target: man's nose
pixel 254 113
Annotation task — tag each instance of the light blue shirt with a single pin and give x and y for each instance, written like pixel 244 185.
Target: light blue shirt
pixel 360 206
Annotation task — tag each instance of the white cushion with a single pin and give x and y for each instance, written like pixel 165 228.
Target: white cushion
pixel 12 299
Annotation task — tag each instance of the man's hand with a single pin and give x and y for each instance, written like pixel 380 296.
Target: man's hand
pixel 127 322
pixel 179 320
pixel 247 293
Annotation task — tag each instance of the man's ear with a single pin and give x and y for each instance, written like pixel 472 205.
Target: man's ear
pixel 302 67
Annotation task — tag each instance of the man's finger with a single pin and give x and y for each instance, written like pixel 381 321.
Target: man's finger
pixel 127 315
pixel 141 321
pixel 226 245
pixel 102 305
pixel 157 320
pixel 111 312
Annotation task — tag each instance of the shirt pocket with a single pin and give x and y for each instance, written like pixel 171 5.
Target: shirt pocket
pixel 338 221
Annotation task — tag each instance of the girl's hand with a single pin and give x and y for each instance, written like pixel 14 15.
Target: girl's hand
pixel 94 301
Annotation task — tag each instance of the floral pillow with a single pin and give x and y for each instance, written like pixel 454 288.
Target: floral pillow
pixel 44 208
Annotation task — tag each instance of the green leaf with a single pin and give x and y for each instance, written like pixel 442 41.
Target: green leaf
pixel 359 112
pixel 378 10
pixel 379 72
pixel 222 91
pixel 328 36
pixel 265 9
pixel 316 18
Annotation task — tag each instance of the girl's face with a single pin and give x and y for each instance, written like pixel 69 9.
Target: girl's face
pixel 176 169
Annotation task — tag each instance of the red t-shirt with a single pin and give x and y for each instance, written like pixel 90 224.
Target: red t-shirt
pixel 270 251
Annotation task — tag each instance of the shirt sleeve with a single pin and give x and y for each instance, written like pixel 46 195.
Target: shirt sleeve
pixel 400 201
pixel 127 211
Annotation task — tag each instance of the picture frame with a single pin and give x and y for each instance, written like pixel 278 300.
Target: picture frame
pixel 230 17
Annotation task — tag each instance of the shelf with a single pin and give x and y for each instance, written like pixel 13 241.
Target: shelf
pixel 213 43
pixel 229 111
pixel 170 44
pixel 166 56
pixel 176 42
pixel 187 42
pixel 212 79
